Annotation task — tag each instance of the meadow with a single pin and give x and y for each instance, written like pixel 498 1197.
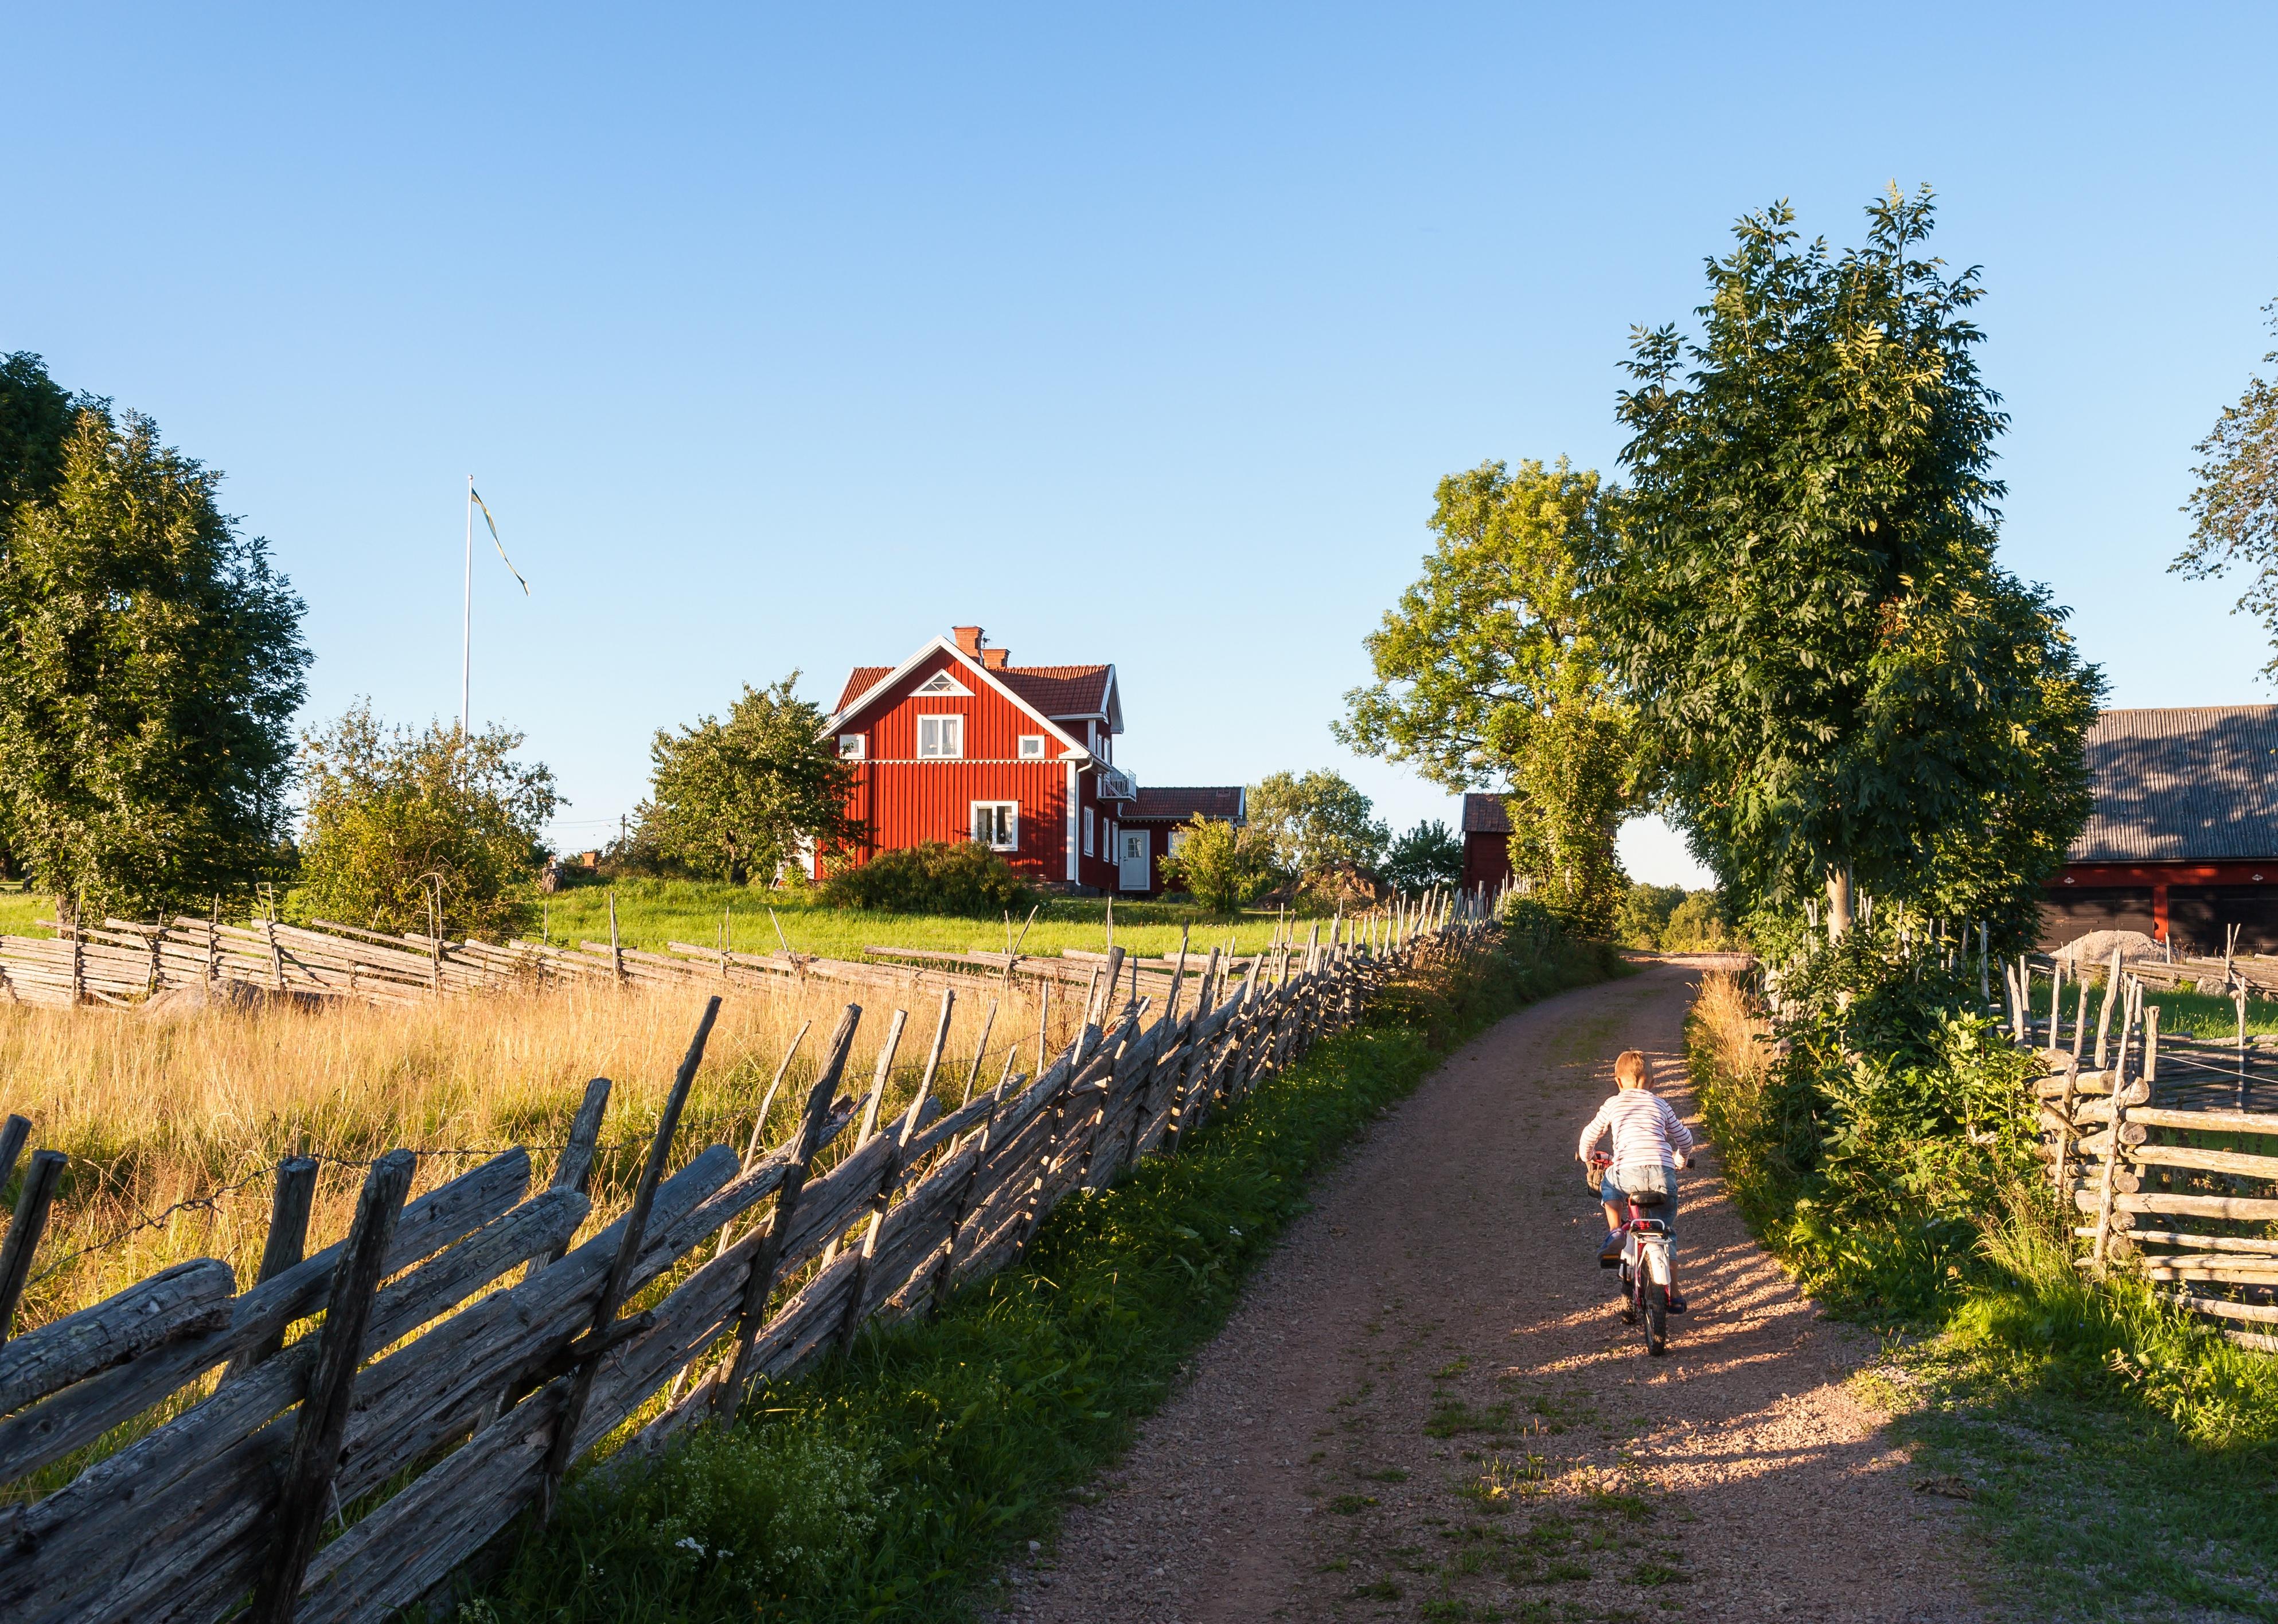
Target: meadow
pixel 651 912
pixel 173 1124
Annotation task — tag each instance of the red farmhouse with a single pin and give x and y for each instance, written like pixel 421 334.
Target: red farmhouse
pixel 957 742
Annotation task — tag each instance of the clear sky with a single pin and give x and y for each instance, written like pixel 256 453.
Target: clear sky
pixel 784 337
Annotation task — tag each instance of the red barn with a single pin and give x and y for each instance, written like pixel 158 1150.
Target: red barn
pixel 1486 841
pixel 957 742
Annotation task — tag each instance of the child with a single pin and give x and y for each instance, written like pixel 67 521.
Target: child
pixel 1645 1132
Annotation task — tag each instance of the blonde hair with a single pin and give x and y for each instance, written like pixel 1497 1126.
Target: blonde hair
pixel 1630 1071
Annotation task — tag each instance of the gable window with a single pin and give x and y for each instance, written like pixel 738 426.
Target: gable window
pixel 1032 747
pixel 996 823
pixel 849 747
pixel 1087 831
pixel 941 682
pixel 941 738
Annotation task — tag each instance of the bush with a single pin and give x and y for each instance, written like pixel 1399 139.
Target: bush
pixel 940 876
pixel 1221 866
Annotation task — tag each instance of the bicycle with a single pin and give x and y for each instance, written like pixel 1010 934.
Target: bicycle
pixel 1644 1261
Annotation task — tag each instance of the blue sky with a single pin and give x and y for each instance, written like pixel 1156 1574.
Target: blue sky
pixel 785 338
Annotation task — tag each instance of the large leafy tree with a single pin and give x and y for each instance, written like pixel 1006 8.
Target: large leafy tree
pixel 2235 509
pixel 399 820
pixel 738 798
pixel 150 662
pixel 1842 685
pixel 1316 821
pixel 1430 854
pixel 1490 675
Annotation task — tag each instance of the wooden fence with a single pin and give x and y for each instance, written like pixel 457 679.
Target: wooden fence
pixel 2154 1143
pixel 348 1473
pixel 122 963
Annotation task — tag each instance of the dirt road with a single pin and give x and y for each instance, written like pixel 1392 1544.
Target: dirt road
pixel 1427 1407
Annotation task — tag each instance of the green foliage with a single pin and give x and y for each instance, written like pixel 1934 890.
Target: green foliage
pixel 150 663
pixel 1836 674
pixel 392 811
pixel 1669 918
pixel 2235 509
pixel 982 1422
pixel 1430 854
pixel 939 876
pixel 1316 822
pixel 1221 866
pixel 735 799
pixel 1490 670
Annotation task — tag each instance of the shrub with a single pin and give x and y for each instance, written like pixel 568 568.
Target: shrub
pixel 1222 866
pixel 940 876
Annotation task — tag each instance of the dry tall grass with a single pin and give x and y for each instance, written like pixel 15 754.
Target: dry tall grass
pixel 156 1113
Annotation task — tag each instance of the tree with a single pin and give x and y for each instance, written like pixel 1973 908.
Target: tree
pixel 1221 866
pixel 150 663
pixel 1841 684
pixel 392 813
pixel 2235 509
pixel 1316 822
pixel 737 799
pixel 1430 854
pixel 1490 673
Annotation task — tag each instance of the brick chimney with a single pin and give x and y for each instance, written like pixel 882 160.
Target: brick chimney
pixel 994 660
pixel 967 640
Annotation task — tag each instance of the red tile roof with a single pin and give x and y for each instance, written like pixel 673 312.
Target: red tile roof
pixel 1219 801
pixel 1060 690
pixel 1055 690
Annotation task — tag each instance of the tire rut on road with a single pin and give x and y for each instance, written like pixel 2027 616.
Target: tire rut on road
pixel 1427 1407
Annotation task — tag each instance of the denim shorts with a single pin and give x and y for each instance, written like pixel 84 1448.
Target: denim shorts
pixel 1608 1191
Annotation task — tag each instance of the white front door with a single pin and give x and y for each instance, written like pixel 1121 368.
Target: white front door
pixel 1132 860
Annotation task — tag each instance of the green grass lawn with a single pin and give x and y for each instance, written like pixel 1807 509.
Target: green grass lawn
pixel 2181 1014
pixel 20 908
pixel 651 912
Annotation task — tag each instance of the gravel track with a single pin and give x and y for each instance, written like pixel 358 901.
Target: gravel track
pixel 1427 1407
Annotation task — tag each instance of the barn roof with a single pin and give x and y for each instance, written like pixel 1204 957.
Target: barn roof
pixel 1485 814
pixel 2199 784
pixel 1226 802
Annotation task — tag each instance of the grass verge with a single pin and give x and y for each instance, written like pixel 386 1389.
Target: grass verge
pixel 2120 1461
pixel 896 1483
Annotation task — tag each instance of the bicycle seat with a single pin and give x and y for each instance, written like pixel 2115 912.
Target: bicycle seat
pixel 1649 1198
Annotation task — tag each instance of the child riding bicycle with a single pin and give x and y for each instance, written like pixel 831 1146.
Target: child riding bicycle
pixel 1650 1145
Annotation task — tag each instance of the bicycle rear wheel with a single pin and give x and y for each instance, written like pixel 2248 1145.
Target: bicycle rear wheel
pixel 1652 1317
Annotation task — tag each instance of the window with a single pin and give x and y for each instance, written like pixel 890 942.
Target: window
pixel 941 737
pixel 1087 831
pixel 996 823
pixel 1179 837
pixel 941 682
pixel 849 747
pixel 1032 747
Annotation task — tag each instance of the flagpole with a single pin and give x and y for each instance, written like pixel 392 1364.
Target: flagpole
pixel 466 618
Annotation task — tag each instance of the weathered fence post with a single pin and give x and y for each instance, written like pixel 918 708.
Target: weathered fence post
pixel 306 1490
pixel 30 1223
pixel 890 1175
pixel 760 1278
pixel 288 1237
pixel 620 1268
pixel 13 1132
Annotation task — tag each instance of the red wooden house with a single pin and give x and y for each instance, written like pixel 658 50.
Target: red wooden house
pixel 2182 844
pixel 957 742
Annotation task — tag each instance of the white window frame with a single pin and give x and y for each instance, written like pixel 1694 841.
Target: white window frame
pixel 1005 821
pixel 1087 831
pixel 941 685
pixel 1180 837
pixel 1034 747
pixel 951 723
pixel 850 747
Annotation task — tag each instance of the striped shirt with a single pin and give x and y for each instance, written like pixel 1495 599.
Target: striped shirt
pixel 1644 1129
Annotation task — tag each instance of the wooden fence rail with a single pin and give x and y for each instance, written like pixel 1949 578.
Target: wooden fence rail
pixel 468 1354
pixel 2150 1141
